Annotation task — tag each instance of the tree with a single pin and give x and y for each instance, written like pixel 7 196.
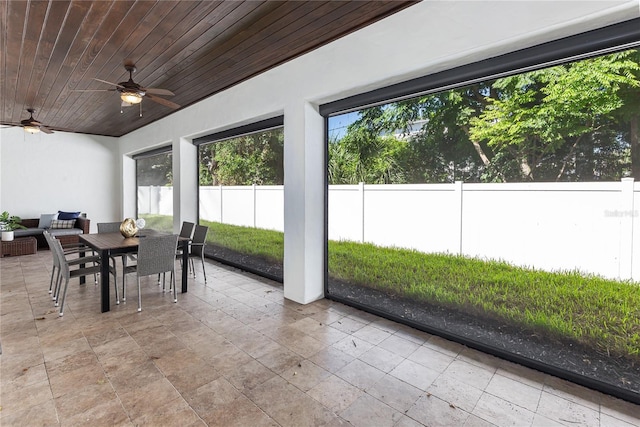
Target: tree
pixel 572 122
pixel 252 159
pixel 548 119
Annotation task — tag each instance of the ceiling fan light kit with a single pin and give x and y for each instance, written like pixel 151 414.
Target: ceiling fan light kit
pixel 131 97
pixel 31 129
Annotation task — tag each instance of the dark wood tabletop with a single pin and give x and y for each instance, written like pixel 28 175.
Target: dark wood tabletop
pixel 107 244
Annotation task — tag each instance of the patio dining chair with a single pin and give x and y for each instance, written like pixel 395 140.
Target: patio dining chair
pixel 156 255
pixel 114 227
pixel 196 248
pixel 64 269
pixel 72 255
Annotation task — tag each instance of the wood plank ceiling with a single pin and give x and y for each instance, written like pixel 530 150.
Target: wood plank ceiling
pixel 192 48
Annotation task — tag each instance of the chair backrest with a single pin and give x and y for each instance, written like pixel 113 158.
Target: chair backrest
pixel 109 227
pixel 50 241
pixel 187 229
pixel 199 238
pixel 156 254
pixel 58 253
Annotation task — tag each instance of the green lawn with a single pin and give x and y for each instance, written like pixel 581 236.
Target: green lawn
pixel 600 313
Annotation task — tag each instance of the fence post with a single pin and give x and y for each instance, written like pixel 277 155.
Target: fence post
pixel 627 216
pixel 220 188
pixel 254 204
pixel 361 191
pixel 458 191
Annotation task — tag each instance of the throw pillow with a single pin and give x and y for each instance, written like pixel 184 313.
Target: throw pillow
pixel 45 220
pixel 68 215
pixel 63 223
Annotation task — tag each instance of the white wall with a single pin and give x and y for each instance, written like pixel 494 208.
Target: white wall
pixel 61 171
pixel 427 37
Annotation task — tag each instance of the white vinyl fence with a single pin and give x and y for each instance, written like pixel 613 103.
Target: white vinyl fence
pixel 592 227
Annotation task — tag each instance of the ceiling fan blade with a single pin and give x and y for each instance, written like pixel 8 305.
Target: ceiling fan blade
pixel 45 129
pixel 9 124
pixel 93 90
pixel 109 83
pixel 156 91
pixel 163 101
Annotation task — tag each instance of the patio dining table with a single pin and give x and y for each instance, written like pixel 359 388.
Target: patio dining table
pixel 107 244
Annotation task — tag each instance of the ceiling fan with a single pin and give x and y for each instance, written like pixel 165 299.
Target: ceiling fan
pixel 30 125
pixel 132 93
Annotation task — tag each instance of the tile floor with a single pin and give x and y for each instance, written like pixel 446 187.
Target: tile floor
pixel 236 353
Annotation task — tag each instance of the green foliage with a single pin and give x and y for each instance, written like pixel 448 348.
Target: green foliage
pixel 155 170
pixel 10 222
pixel 158 222
pixel 572 122
pixel 251 159
pixel 267 244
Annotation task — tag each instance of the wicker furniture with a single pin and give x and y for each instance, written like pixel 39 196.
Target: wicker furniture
pixel 82 226
pixel 19 246
pixel 106 244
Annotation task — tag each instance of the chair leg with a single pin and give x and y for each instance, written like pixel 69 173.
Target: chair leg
pixel 124 287
pixel 64 294
pixel 115 281
pixel 56 289
pixel 53 271
pixel 175 292
pixel 139 296
pixel 204 273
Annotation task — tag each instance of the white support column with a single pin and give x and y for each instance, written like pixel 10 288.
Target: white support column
pixel 185 183
pixel 304 154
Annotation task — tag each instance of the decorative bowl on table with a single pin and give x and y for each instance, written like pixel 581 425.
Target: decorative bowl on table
pixel 128 227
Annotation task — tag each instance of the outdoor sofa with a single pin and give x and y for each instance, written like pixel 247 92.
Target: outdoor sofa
pixel 61 225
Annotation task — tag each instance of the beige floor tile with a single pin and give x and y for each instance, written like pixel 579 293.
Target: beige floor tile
pixel 501 412
pixel 431 358
pixel 360 374
pixel 26 397
pixel 109 413
pixel 381 359
pixel 398 345
pixel 368 411
pixel 415 374
pixel 455 392
pixel 335 393
pixel 620 409
pixel 305 375
pixel 431 411
pixel 83 399
pixel 514 392
pixel 237 353
pixel 395 393
pixel 371 334
pixel 43 414
pixel 565 411
pixel 173 413
pixel 470 374
pixel 249 375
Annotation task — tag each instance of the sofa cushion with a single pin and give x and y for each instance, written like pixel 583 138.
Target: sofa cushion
pixel 57 232
pixel 27 232
pixel 62 223
pixel 68 215
pixel 45 220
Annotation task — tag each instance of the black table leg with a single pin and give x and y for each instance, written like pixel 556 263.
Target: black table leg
pixel 104 280
pixel 185 265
